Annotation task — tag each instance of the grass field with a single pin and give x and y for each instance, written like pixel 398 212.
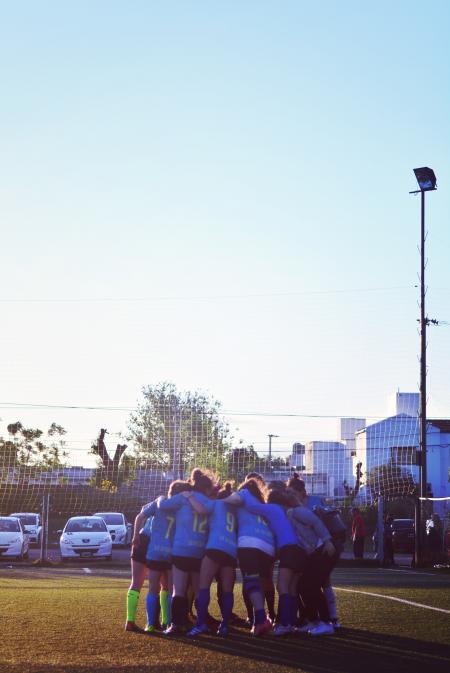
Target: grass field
pixel 69 622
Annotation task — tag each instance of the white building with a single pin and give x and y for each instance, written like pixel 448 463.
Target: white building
pixel 330 460
pixel 392 446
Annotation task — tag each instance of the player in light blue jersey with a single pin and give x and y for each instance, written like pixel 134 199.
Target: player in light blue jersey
pixel 161 526
pixel 292 558
pixel 256 551
pixel 219 559
pixel 188 548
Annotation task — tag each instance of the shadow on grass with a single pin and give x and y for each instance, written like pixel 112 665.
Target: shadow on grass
pixel 349 651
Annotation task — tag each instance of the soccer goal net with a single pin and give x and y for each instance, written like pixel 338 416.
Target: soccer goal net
pixel 168 434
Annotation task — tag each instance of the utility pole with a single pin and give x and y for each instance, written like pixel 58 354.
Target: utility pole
pixel 270 450
pixel 427 182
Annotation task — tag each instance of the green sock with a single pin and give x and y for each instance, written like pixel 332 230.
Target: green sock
pixel 132 602
pixel 163 600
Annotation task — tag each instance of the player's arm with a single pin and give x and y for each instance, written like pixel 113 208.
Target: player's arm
pixel 146 511
pixel 196 505
pixel 173 503
pixel 253 505
pixel 308 518
pixel 234 499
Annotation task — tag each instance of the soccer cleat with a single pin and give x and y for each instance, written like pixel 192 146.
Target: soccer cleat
pixel 261 629
pixel 282 630
pixel 222 631
pixel 173 630
pixel 248 623
pixel 322 629
pixel 134 628
pixel 149 628
pixel 336 623
pixel 197 631
pixel 306 627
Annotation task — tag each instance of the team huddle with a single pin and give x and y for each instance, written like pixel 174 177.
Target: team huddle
pixel 201 532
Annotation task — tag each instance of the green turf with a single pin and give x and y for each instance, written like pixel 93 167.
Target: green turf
pixel 66 624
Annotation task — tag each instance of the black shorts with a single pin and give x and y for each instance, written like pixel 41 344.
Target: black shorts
pixel 220 557
pixel 293 557
pixel 139 553
pixel 187 564
pixel 253 561
pixel 158 565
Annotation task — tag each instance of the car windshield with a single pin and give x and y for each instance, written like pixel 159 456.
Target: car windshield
pixel 85 526
pixel 9 526
pixel 112 519
pixel 26 519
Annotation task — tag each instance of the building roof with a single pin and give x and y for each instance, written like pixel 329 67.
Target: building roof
pixel 442 423
pixel 396 417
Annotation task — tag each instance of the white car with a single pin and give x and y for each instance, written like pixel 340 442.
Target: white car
pixel 121 532
pixel 85 537
pixel 14 541
pixel 31 523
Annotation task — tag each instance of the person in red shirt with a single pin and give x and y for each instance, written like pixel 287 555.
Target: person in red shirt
pixel 358 533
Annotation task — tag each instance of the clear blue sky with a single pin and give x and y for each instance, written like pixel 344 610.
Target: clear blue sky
pixel 245 168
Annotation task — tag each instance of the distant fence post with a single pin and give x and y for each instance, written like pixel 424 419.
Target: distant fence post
pixel 380 530
pixel 43 560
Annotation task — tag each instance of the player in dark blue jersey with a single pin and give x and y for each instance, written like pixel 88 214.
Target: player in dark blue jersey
pixel 219 560
pixel 191 534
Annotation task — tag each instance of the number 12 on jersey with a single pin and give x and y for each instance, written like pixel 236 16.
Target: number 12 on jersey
pixel 199 523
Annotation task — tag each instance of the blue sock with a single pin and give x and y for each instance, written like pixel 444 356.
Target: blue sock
pixel 169 608
pixel 284 609
pixel 151 601
pixel 294 609
pixel 202 606
pixel 227 606
pixel 260 616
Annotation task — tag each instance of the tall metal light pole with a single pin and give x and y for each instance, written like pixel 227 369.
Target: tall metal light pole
pixel 270 449
pixel 427 182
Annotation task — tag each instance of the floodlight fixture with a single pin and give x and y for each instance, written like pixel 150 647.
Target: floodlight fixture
pixel 426 178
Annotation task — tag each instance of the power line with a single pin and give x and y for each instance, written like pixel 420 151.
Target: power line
pixel 25 405
pixel 49 300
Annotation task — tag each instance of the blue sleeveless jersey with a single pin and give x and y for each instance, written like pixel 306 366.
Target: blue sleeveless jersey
pixel 161 530
pixel 191 529
pixel 254 531
pixel 222 527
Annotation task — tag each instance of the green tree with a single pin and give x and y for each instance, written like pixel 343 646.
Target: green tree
pixel 242 460
pixel 390 481
pixel 33 448
pixel 174 430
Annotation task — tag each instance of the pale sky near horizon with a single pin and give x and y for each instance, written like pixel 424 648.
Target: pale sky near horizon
pixel 216 194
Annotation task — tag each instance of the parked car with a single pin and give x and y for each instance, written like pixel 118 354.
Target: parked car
pixel 32 525
pixel 85 537
pixel 14 540
pixel 403 536
pixel 120 530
